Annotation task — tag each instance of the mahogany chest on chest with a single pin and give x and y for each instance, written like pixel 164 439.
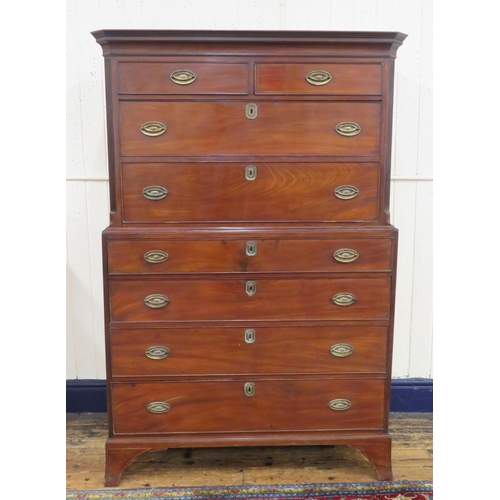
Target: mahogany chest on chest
pixel 249 266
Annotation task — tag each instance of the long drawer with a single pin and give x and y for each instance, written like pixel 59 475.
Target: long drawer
pixel 212 128
pixel 259 299
pixel 276 405
pixel 158 192
pixel 248 255
pixel 161 352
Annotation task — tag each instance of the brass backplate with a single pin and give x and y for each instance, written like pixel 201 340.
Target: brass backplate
pixel 345 255
pixel 156 300
pixel 346 192
pixel 348 129
pixel 339 404
pixel 158 407
pixel 318 77
pixel 155 256
pixel 344 299
pixel 154 193
pixel 183 77
pixel 342 350
pixel 153 129
pixel 157 352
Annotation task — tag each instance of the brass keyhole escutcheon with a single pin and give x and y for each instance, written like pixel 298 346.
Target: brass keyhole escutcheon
pixel 251 248
pixel 249 389
pixel 251 288
pixel 250 172
pixel 251 111
pixel 250 336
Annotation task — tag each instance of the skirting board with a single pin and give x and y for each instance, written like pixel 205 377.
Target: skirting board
pixel 407 395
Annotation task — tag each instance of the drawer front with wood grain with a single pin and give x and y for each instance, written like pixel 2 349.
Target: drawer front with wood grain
pixel 318 78
pixel 151 128
pixel 196 192
pixel 255 405
pixel 162 256
pixel 252 299
pixel 163 352
pixel 143 78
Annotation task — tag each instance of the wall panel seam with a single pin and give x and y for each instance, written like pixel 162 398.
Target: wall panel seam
pixel 92 312
pixel 410 343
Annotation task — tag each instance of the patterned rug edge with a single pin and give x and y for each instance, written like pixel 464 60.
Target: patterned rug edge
pixel 256 491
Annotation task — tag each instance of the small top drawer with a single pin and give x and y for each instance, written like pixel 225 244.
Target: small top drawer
pixel 182 78
pixel 329 79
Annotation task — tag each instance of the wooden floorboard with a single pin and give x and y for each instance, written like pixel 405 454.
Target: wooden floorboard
pixel 87 432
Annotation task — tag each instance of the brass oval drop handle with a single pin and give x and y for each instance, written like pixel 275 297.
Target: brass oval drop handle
pixel 156 301
pixel 157 352
pixel 183 77
pixel 155 256
pixel 154 193
pixel 159 407
pixel 340 404
pixel 345 255
pixel 342 350
pixel 318 77
pixel 344 299
pixel 346 192
pixel 348 129
pixel 153 129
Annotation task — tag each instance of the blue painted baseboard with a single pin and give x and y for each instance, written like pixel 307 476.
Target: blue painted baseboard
pixel 407 395
pixel 411 395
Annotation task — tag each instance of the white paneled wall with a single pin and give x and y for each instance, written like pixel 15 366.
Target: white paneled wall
pixel 87 186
